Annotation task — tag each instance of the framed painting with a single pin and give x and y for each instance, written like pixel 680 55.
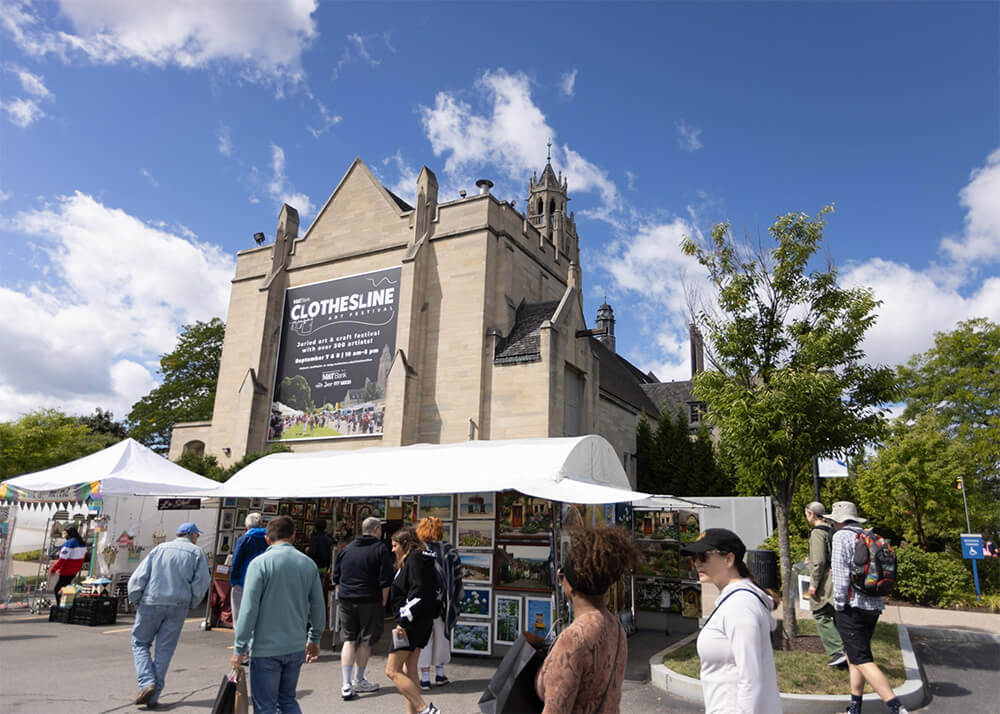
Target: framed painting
pixel 229 502
pixel 241 518
pixel 367 508
pixel 524 566
pixel 509 619
pixel 476 567
pixel 449 533
pixel 325 507
pixel 270 508
pixel 474 535
pixel 255 504
pixel 477 505
pixel 656 525
pixel 523 516
pixel 476 602
pixel 435 506
pixel 298 510
pixel 225 543
pixel 538 615
pixel 284 508
pixel 471 638
pixel 660 559
pixel 310 512
pixel 228 518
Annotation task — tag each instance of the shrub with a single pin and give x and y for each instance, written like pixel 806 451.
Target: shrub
pixel 935 579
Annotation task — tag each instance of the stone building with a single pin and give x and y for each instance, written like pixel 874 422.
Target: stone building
pixel 487 338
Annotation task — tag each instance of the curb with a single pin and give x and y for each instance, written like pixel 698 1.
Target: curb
pixel 911 693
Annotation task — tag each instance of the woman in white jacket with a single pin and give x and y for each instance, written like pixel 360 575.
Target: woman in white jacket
pixel 737 662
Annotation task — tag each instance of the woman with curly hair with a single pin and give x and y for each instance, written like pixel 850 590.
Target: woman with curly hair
pixel 449 567
pixel 584 670
pixel 413 594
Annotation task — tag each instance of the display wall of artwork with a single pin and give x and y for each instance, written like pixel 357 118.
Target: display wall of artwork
pixel 325 507
pixel 524 566
pixel 228 518
pixel 659 595
pixel 366 508
pixel 666 525
pixel 284 508
pixel 476 566
pixel 225 543
pixel 298 510
pixel 435 506
pixel 477 505
pixel 509 621
pixel 476 602
pixel 471 637
pixel 660 558
pixel 523 516
pixel 449 533
pixel 538 615
pixel 269 508
pixel 255 504
pixel 475 535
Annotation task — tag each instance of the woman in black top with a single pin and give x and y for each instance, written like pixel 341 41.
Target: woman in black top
pixel 414 603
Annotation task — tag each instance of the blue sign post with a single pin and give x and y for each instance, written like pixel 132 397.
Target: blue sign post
pixel 972 549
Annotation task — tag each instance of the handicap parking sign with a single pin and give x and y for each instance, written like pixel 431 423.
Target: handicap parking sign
pixel 972 546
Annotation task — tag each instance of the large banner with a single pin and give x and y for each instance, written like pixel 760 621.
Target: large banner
pixel 338 339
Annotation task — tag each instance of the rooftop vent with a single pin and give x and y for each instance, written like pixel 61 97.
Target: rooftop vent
pixel 484 186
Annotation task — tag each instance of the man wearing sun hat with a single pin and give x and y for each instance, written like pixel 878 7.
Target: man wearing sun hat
pixel 856 613
pixel 171 580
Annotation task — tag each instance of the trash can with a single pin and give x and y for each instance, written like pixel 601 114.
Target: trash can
pixel 763 565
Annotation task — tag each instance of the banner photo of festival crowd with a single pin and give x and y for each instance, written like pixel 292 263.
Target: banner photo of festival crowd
pixel 338 338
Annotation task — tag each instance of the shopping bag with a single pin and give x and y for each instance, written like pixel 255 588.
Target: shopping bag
pixel 225 700
pixel 242 703
pixel 512 689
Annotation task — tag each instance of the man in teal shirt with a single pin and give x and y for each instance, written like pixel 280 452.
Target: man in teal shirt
pixel 282 595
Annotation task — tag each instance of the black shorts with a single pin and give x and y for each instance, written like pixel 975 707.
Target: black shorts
pixel 856 628
pixel 361 621
pixel 418 634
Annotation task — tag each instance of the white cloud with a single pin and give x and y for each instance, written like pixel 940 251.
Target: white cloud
pixel 279 189
pixel 225 137
pixel 33 84
pixel 405 185
pixel 688 137
pixel 508 136
pixel 567 84
pixel 5 195
pixel 327 119
pixel 358 49
pixel 981 199
pixel 23 112
pixel 115 294
pixel 149 177
pixel 630 178
pixel 264 41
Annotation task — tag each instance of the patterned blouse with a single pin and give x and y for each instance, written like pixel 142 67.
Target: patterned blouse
pixel 578 669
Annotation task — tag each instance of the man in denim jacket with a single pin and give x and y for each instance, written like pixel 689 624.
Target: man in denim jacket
pixel 171 580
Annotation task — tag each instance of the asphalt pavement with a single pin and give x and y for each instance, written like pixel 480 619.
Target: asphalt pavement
pixel 961 669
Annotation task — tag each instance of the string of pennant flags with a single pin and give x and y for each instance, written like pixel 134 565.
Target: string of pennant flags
pixel 84 493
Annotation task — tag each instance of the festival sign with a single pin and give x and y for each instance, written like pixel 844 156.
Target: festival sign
pixel 338 338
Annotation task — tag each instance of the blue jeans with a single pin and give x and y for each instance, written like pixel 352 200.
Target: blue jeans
pixel 162 623
pixel 273 681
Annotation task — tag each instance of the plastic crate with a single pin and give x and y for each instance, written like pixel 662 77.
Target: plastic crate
pixel 59 614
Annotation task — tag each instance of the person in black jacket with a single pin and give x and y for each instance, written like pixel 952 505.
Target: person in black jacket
pixel 414 605
pixel 321 547
pixel 362 575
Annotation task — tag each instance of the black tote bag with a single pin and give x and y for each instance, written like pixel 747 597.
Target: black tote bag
pixel 225 700
pixel 512 689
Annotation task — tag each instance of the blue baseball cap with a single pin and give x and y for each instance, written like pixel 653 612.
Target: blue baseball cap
pixel 187 528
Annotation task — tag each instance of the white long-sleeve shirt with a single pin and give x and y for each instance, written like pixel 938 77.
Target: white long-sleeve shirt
pixel 737 662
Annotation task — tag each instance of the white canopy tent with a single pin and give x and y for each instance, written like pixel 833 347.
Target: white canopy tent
pixel 127 468
pixel 580 469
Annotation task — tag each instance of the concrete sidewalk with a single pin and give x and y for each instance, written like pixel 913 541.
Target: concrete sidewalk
pixel 933 617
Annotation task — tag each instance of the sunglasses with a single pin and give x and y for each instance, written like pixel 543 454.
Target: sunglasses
pixel 702 557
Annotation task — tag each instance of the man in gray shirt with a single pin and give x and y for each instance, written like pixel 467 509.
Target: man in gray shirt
pixel 820 591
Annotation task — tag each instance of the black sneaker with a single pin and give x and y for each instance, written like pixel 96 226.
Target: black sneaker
pixel 425 684
pixel 838 660
pixel 440 680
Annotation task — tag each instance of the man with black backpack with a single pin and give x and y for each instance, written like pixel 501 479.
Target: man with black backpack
pixel 820 593
pixel 859 582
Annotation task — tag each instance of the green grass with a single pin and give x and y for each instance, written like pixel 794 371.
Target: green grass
pixel 807 673
pixel 28 555
pixel 298 432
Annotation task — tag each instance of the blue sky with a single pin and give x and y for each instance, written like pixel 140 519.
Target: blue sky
pixel 142 145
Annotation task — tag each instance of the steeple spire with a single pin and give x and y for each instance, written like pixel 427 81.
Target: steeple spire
pixel 548 157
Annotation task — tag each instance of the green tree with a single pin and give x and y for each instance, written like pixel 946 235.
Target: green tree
pixel 202 464
pixel 643 451
pixel 788 380
pixel 187 393
pixel 294 392
pixel 670 461
pixel 910 486
pixel 42 439
pixel 102 422
pixel 958 379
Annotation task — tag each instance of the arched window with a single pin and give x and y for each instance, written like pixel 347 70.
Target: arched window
pixel 541 207
pixel 195 447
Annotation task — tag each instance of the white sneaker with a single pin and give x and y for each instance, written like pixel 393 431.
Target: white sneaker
pixel 363 685
pixel 431 709
pixel 347 694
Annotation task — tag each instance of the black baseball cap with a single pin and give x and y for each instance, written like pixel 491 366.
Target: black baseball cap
pixel 719 539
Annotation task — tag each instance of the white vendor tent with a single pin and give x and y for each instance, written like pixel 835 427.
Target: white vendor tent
pixel 580 469
pixel 126 468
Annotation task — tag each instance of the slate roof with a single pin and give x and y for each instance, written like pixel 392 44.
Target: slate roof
pixel 622 379
pixel 673 396
pixel 403 205
pixel 523 344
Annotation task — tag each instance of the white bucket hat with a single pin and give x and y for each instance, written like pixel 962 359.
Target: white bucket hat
pixel 844 511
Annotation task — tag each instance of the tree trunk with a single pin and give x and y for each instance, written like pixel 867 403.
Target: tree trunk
pixel 921 538
pixel 782 503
